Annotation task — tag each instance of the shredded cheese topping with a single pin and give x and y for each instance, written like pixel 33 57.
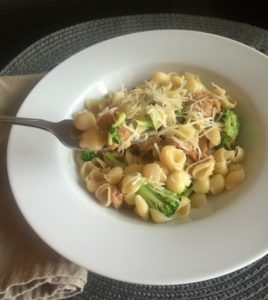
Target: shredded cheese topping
pixel 181 111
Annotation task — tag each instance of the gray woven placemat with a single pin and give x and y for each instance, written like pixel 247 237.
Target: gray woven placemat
pixel 53 49
pixel 250 282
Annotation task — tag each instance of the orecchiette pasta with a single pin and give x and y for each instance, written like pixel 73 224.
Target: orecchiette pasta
pixel 108 194
pixel 222 159
pixel 226 100
pixel 239 154
pixel 92 185
pixel 133 168
pixel 104 194
pixel 224 155
pixel 161 78
pixel 174 159
pixel 157 216
pixel 217 183
pixel 94 179
pixel 164 169
pixel 214 136
pixel 99 163
pixel 219 155
pixel 131 183
pixel 229 156
pixel 186 132
pixel 221 167
pixel 178 181
pixel 142 207
pixel 158 116
pixel 193 83
pixel 173 95
pixel 96 175
pixel 234 178
pixel 130 199
pixel 203 170
pixel 84 120
pixel 183 210
pixel 86 168
pixel 115 175
pixel 177 81
pixel 91 139
pixel 235 167
pixel 198 200
pixel 153 172
pixel 201 186
pixel 172 142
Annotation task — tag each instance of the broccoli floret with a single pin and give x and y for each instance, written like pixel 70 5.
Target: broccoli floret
pixel 113 130
pixel 113 135
pixel 164 200
pixel 179 116
pixel 112 160
pixel 226 141
pixel 87 155
pixel 188 191
pixel 148 123
pixel 121 118
pixel 231 127
pixel 231 123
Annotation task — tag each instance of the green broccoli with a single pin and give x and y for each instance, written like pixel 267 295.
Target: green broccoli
pixel 113 130
pixel 231 127
pixel 226 141
pixel 148 123
pixel 113 135
pixel 87 155
pixel 164 200
pixel 121 118
pixel 112 160
pixel 188 191
pixel 179 116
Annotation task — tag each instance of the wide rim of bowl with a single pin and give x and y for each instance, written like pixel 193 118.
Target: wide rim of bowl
pixel 45 221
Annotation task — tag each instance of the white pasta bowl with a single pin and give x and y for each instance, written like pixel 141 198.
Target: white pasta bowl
pixel 227 236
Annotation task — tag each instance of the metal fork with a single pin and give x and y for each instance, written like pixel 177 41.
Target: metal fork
pixel 64 130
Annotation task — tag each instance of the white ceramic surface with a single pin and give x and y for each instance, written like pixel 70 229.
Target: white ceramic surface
pixel 112 243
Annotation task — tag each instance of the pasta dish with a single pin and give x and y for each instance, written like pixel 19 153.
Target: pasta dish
pixel 172 143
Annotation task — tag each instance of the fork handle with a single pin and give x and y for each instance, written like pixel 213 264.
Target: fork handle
pixel 37 123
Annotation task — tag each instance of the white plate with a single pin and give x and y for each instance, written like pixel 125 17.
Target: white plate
pixel 46 186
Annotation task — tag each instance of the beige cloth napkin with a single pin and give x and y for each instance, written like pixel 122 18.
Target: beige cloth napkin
pixel 29 269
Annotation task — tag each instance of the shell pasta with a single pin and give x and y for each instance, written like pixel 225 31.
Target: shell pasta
pixel 170 146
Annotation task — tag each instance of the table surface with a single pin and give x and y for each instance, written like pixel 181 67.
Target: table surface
pixel 24 22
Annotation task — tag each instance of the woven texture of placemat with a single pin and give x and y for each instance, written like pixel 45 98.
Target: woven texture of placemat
pixel 53 49
pixel 250 282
